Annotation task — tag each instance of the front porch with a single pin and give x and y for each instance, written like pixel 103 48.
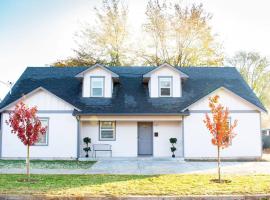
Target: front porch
pixel 132 137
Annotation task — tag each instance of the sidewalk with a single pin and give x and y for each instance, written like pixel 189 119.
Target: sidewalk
pixel 152 167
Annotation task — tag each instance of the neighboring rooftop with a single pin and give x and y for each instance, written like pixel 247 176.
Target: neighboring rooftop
pixel 130 95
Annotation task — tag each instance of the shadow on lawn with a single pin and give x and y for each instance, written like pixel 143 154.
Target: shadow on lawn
pixel 63 181
pixel 64 184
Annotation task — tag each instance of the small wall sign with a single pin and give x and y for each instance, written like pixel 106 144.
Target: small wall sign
pixel 156 134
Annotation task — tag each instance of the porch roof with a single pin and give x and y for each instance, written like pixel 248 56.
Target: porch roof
pixel 137 118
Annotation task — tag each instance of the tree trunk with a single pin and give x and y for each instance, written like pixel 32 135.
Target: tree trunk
pixel 28 162
pixel 219 178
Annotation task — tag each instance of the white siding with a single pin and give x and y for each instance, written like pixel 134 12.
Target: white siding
pixel 167 130
pixel 246 144
pixel 108 85
pixel 197 141
pixel 154 84
pixel 45 101
pixel 227 98
pixel 62 138
pixel 126 143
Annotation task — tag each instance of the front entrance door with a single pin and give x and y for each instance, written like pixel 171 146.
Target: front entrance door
pixel 145 138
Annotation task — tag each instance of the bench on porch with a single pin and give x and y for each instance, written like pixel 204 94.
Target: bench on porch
pixel 102 147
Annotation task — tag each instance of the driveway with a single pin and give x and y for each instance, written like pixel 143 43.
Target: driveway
pixel 151 167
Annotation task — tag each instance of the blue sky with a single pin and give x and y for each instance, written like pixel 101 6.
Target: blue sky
pixel 38 32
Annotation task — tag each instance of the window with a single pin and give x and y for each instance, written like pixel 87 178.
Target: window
pixel 97 86
pixel 107 131
pixel 165 86
pixel 43 139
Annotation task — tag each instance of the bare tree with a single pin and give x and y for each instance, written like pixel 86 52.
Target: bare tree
pixel 157 28
pixel 107 40
pixel 171 33
pixel 180 36
pixel 255 70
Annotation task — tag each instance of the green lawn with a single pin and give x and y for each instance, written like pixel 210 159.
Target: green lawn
pixel 128 185
pixel 47 164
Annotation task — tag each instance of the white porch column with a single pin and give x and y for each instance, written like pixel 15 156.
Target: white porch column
pixel 78 136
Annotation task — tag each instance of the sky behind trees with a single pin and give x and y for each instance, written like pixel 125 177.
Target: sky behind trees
pixel 38 32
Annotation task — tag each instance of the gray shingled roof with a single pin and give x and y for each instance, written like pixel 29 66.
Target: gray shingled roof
pixel 130 95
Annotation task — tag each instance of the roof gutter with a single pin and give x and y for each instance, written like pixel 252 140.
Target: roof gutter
pixel 131 114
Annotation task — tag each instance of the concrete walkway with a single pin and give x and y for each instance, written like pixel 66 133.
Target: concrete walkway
pixel 177 167
pixel 151 167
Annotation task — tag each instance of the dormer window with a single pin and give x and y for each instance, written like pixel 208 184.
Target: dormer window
pixel 98 81
pixel 164 81
pixel 97 86
pixel 165 86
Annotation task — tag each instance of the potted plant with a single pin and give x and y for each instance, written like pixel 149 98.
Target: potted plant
pixel 173 148
pixel 87 141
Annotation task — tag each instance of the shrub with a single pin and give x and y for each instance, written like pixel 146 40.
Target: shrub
pixel 87 141
pixel 173 140
pixel 173 148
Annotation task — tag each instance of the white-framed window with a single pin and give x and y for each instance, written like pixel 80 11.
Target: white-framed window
pixel 43 138
pixel 165 86
pixel 97 86
pixel 107 130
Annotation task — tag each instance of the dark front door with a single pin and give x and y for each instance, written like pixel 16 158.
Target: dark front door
pixel 145 138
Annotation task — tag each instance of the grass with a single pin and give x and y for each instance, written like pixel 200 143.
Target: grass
pixel 128 185
pixel 47 164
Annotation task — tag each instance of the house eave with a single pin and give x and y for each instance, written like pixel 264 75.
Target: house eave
pixel 114 75
pixel 32 92
pixel 148 74
pixel 130 114
pixel 226 89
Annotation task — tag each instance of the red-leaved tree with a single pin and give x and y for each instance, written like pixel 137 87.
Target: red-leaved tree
pixel 219 125
pixel 27 126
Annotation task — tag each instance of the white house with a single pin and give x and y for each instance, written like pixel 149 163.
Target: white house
pixel 132 110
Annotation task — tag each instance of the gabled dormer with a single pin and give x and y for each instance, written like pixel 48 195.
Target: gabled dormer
pixel 165 81
pixel 97 81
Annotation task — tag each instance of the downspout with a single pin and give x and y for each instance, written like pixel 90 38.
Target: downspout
pixel 1 134
pixel 261 135
pixel 78 136
pixel 183 137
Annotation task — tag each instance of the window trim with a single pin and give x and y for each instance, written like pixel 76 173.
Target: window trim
pixel 47 132
pixel 106 139
pixel 159 87
pixel 103 87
